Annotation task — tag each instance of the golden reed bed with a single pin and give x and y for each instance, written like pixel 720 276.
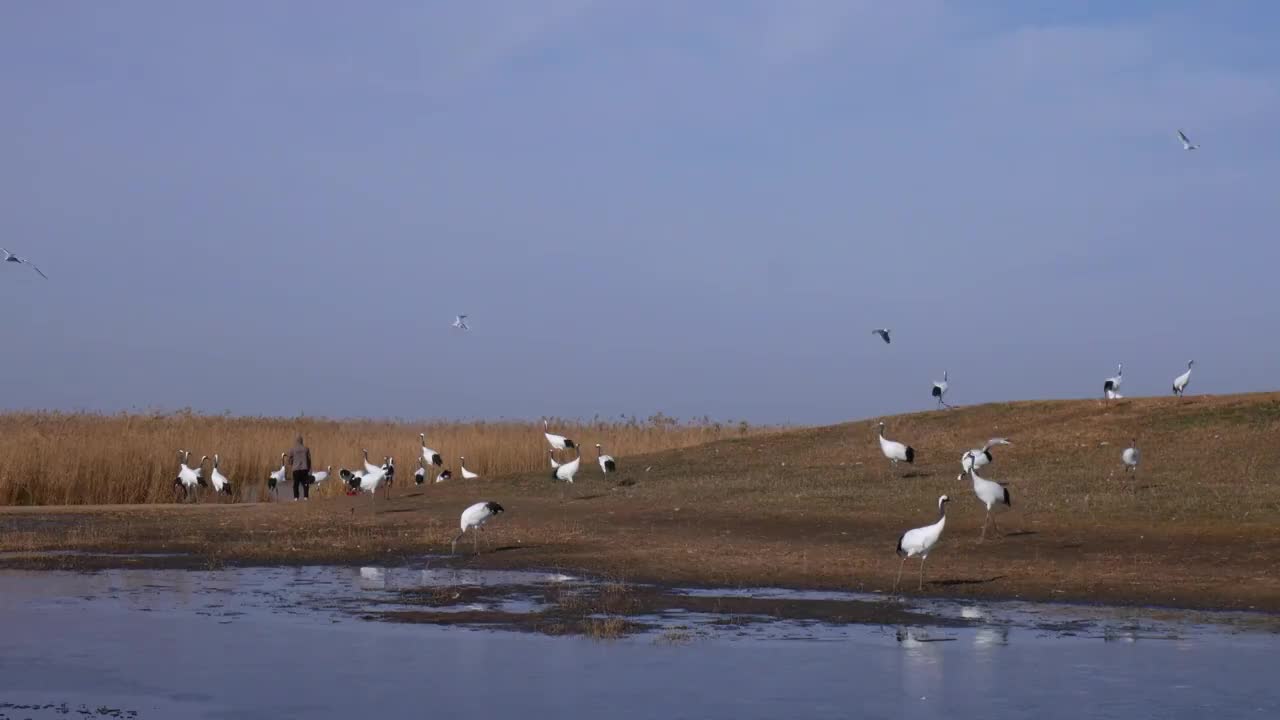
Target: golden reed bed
pixel 51 458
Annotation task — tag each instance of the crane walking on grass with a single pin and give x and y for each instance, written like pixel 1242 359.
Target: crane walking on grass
pixel 466 474
pixel 275 478
pixel 389 470
pixel 474 518
pixel 566 471
pixel 1111 386
pixel 219 481
pixel 429 455
pixel 920 541
pixel 321 475
pixel 1180 383
pixel 607 463
pixel 896 451
pixel 1131 457
pixel 364 480
pixel 368 466
pixel 558 442
pixel 188 478
pixel 991 493
pixel 978 457
pixel 940 390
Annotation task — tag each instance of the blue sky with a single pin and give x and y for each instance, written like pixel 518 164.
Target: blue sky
pixel 694 208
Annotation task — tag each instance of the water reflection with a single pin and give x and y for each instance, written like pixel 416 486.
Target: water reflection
pixel 1105 663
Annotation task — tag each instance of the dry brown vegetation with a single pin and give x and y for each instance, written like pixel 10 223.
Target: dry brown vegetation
pixel 80 458
pixel 1197 527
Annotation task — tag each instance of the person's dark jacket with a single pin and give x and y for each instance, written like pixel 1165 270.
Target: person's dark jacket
pixel 300 457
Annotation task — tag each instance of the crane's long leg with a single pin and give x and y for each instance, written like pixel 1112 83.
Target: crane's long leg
pixel 985 521
pixel 900 566
pixel 455 541
pixel 922 559
pixel 995 525
pixel 476 535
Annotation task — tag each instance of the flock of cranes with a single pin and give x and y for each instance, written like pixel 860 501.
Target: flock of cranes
pixel 190 478
pixel 370 477
pixel 917 542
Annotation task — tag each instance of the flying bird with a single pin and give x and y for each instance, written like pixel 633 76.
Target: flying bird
pixel 1180 382
pixel 1186 142
pixel 883 333
pixel 978 457
pixel 10 257
pixel 460 322
pixel 919 541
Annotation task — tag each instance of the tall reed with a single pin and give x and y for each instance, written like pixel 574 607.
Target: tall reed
pixel 53 458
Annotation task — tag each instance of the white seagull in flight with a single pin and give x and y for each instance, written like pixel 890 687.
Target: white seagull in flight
pixel 883 333
pixel 1186 141
pixel 460 322
pixel 10 257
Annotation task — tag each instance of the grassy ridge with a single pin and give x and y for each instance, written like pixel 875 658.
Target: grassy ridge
pixel 80 458
pixel 1203 458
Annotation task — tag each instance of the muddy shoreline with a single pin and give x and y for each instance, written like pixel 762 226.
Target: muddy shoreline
pixel 123 539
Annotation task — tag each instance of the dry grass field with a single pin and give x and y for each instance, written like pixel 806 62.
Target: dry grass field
pixel 86 459
pixel 1196 527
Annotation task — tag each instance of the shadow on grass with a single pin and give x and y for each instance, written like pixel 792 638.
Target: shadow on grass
pixel 510 548
pixel 967 581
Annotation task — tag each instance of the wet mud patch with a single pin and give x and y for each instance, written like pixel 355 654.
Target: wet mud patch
pixel 612 609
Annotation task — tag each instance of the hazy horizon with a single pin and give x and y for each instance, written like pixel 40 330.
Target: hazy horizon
pixel 689 209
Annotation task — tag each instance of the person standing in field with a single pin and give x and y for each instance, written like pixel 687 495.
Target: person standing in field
pixel 300 464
